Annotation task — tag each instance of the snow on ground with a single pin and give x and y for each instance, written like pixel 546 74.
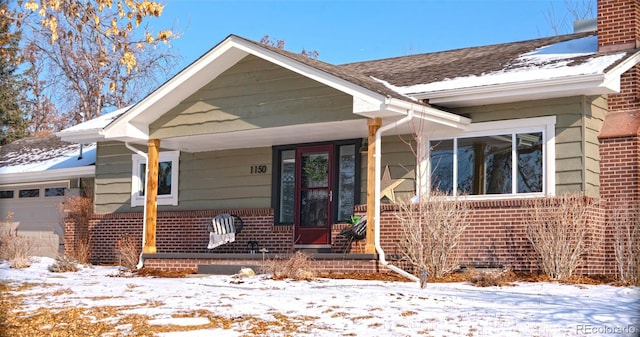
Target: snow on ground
pixel 331 307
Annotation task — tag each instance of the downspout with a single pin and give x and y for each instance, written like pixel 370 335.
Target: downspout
pixel 378 163
pixel 144 210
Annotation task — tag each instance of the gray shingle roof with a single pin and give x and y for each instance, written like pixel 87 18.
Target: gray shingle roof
pixel 351 75
pixel 35 150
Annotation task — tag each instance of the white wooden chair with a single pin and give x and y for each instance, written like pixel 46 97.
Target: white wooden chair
pixel 223 229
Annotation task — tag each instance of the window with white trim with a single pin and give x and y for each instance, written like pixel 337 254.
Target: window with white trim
pixel 496 159
pixel 168 165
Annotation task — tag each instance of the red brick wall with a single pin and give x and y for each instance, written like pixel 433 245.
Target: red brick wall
pixel 335 265
pixel 185 232
pixel 620 183
pixel 618 24
pixel 496 237
pixel 620 170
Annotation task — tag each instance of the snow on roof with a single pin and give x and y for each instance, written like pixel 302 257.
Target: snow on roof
pixel 553 61
pixel 38 154
pixel 97 123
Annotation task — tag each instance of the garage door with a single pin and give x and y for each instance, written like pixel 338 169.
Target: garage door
pixel 37 208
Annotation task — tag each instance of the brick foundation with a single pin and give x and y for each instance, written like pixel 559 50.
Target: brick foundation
pixel 495 238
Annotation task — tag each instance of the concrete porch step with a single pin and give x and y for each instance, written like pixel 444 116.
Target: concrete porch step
pixel 224 269
pixel 314 250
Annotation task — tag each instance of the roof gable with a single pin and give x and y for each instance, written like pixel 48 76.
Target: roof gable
pixel 134 124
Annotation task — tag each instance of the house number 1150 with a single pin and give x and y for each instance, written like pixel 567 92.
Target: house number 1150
pixel 258 169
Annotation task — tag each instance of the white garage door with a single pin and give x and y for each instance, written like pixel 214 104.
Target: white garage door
pixel 37 208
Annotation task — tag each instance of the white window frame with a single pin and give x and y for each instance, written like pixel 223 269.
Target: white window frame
pixel 546 125
pixel 136 179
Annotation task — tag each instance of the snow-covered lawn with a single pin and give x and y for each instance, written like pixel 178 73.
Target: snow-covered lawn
pixel 256 306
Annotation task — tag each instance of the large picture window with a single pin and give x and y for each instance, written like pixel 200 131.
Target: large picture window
pixel 495 158
pixel 168 164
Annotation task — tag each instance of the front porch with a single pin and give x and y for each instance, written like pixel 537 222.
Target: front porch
pixel 182 238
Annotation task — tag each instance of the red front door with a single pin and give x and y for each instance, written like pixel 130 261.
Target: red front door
pixel 313 195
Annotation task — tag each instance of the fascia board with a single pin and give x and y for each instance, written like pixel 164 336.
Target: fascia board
pixel 510 92
pixel 622 67
pixel 432 114
pixel 81 137
pixel 48 175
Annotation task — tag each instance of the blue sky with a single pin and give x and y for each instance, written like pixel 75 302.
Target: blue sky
pixel 358 30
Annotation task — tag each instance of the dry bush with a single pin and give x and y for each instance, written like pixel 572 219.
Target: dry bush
pixel 558 229
pixel 490 278
pixel 626 243
pixel 431 230
pixel 297 267
pixel 14 248
pixel 128 252
pixel 63 264
pixel 78 210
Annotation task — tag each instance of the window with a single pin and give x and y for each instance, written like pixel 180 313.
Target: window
pixel 54 192
pixel 29 193
pixel 496 158
pixel 6 194
pixel 168 163
pixel 344 186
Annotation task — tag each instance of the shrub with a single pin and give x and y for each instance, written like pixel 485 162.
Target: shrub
pixel 297 267
pixel 14 248
pixel 128 252
pixel 431 230
pixel 626 223
pixel 490 277
pixel 63 264
pixel 78 210
pixel 558 229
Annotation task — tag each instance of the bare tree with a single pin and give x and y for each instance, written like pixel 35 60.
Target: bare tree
pixel 576 10
pixel 90 56
pixel 277 43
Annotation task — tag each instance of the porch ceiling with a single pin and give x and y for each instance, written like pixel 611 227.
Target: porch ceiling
pixel 296 134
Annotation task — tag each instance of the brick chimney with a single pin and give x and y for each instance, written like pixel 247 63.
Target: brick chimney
pixel 618 25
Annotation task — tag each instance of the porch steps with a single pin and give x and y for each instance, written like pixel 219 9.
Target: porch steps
pixel 312 251
pixel 224 269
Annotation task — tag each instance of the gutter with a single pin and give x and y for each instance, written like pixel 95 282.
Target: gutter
pixel 46 175
pixel 144 218
pixel 378 164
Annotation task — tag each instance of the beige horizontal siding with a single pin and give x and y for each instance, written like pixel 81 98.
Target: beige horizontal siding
pixel 254 94
pixel 578 122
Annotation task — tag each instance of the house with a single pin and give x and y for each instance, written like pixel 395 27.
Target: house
pixel 276 138
pixel 36 174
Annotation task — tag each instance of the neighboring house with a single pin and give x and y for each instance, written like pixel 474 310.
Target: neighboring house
pixel 36 174
pixel 275 138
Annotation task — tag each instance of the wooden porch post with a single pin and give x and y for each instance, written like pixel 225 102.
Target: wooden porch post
pixel 151 191
pixel 374 124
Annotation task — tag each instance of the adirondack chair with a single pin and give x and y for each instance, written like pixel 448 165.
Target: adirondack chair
pixel 223 229
pixel 356 232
